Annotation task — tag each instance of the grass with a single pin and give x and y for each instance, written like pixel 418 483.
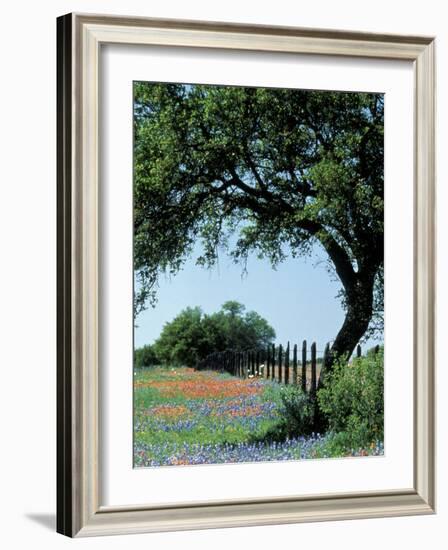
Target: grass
pixel 182 416
pixel 183 406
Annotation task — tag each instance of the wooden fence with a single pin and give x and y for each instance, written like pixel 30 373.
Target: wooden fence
pixel 289 365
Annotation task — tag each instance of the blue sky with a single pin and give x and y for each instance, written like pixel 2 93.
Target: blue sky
pixel 299 298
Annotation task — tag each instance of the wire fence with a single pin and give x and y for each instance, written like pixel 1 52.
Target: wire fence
pixel 287 365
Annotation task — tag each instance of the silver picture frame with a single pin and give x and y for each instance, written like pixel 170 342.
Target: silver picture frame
pixel 79 512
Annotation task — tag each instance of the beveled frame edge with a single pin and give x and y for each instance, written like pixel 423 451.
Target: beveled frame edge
pixel 78 512
pixel 65 465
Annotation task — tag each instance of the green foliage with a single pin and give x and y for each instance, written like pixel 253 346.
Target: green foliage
pixel 192 335
pixel 275 169
pixel 145 357
pixel 352 400
pixel 297 411
pixel 183 340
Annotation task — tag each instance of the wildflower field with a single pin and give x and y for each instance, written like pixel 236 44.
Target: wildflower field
pixel 183 416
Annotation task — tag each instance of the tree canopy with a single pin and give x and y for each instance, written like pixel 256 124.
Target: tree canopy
pixel 264 171
pixel 192 335
pixel 145 357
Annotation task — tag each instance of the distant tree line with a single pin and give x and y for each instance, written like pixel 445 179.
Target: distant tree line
pixel 193 335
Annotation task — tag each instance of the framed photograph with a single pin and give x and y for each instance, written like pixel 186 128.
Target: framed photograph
pixel 246 275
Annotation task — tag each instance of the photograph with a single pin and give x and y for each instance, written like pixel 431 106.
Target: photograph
pixel 258 259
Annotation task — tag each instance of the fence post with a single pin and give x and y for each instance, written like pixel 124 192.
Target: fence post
pixel 287 365
pixel 280 359
pixel 324 363
pixel 294 364
pixel 313 368
pixel 377 348
pixel 358 351
pixel 268 362
pixel 304 366
pixel 273 363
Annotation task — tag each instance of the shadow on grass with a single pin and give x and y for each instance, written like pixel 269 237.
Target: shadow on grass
pixel 277 434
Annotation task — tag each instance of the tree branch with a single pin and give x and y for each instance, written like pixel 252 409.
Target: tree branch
pixel 303 187
pixel 339 257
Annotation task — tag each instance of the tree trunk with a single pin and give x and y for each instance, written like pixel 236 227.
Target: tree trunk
pixel 359 302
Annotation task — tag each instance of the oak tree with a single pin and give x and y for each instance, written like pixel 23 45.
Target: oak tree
pixel 267 171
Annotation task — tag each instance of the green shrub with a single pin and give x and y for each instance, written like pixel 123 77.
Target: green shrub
pixel 352 401
pixel 145 357
pixel 297 411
